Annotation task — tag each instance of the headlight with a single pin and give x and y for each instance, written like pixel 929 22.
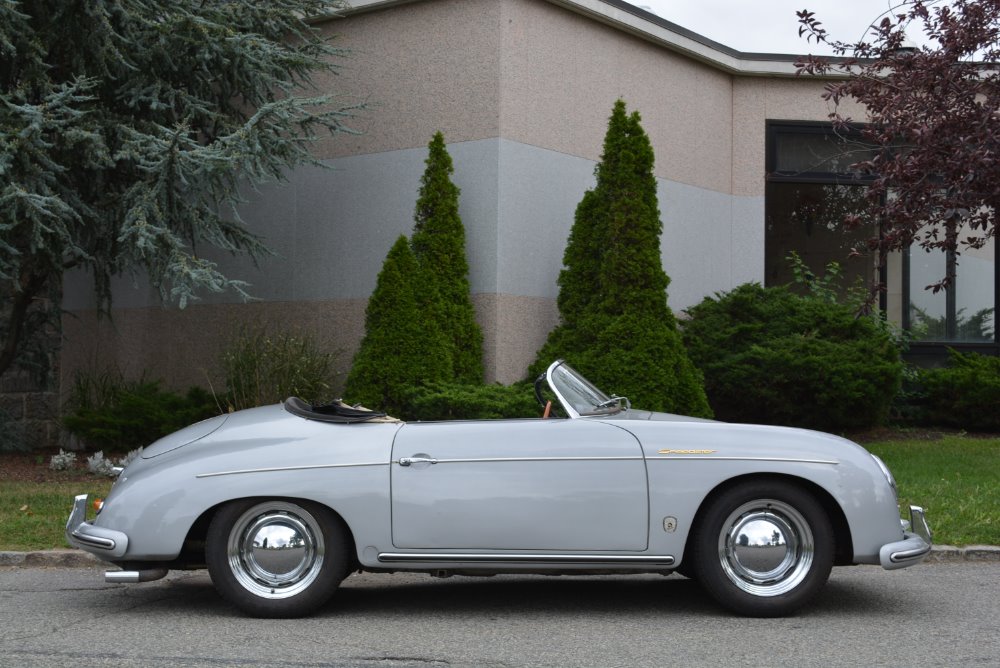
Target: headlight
pixel 888 476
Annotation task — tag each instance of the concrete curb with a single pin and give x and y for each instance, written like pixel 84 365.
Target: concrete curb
pixel 50 559
pixel 81 559
pixel 967 553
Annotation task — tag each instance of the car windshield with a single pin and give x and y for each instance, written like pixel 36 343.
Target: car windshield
pixel 577 394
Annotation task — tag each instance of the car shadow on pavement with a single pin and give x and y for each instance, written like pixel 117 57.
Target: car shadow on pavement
pixel 404 595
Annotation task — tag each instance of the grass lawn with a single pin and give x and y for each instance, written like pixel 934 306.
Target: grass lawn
pixel 33 514
pixel 955 478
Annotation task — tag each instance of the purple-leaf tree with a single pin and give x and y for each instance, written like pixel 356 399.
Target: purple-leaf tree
pixel 932 120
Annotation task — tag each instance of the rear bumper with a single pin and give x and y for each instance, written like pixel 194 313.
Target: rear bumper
pixel 105 543
pixel 916 543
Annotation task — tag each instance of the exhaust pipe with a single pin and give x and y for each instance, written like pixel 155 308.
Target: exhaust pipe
pixel 131 577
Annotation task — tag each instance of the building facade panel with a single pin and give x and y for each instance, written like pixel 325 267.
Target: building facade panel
pixel 420 67
pixel 522 90
pixel 561 72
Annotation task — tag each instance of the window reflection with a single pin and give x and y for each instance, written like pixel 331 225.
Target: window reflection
pixel 808 218
pixel 964 311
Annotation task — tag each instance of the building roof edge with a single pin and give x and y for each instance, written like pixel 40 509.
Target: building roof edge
pixel 646 25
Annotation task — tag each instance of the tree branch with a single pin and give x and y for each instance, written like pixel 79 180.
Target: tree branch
pixel 29 287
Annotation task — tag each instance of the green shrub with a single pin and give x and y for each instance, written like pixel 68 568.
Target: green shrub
pixel 107 412
pixel 965 394
pixel 774 357
pixel 616 327
pixel 438 244
pixel 263 367
pixel 909 406
pixel 402 348
pixel 449 401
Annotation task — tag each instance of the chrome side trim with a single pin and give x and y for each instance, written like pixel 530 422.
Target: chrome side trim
pixel 473 460
pixel 796 460
pixel 451 557
pixel 273 469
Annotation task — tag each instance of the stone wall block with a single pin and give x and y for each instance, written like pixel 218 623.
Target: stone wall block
pixel 39 434
pixel 13 406
pixel 41 406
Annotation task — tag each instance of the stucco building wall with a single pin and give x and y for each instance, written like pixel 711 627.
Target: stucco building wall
pixel 522 90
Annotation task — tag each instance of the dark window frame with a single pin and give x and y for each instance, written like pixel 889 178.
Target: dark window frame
pixel 931 352
pixel 773 131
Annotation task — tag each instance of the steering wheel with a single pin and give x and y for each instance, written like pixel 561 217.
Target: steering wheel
pixel 539 384
pixel 542 401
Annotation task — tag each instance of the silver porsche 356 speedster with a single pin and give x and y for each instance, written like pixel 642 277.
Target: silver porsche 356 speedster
pixel 282 502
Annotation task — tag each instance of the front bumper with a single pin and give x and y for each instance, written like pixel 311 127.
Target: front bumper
pixel 916 543
pixel 105 543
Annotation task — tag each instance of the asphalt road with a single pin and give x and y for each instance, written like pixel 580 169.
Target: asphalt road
pixel 944 614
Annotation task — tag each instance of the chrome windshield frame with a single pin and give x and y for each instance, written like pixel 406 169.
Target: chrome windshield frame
pixel 561 389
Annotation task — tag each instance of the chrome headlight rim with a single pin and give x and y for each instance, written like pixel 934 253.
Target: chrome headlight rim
pixel 888 476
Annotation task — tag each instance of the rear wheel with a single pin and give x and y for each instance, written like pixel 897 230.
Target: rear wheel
pixel 763 548
pixel 276 558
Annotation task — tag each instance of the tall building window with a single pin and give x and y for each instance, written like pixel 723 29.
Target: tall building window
pixel 965 312
pixel 811 188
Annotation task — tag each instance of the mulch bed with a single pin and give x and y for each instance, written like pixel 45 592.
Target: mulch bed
pixel 34 467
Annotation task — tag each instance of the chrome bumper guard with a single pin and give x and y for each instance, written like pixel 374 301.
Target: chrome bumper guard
pixel 80 533
pixel 916 543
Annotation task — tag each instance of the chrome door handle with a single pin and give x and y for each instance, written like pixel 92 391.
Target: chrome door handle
pixel 407 461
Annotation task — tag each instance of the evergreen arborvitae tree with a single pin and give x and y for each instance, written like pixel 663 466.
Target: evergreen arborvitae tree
pixel 616 326
pixel 401 347
pixel 128 128
pixel 439 245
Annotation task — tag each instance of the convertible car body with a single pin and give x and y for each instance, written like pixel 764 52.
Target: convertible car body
pixel 282 502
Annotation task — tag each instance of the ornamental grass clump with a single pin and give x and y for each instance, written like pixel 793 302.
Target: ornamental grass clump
pixel 266 366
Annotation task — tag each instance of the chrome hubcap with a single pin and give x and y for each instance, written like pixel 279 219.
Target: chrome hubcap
pixel 766 547
pixel 276 550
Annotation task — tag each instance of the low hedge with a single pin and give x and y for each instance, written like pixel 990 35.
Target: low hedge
pixel 965 394
pixel 136 414
pixel 772 356
pixel 450 401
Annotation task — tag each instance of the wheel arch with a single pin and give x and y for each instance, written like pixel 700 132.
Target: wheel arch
pixel 844 544
pixel 194 541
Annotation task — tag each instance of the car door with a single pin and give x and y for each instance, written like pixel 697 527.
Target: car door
pixel 554 485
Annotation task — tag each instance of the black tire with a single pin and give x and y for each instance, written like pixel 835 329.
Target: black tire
pixel 763 548
pixel 293 576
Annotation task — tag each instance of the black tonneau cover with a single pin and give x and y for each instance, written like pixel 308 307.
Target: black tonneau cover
pixel 337 412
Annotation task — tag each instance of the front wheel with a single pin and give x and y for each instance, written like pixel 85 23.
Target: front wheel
pixel 763 548
pixel 276 558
